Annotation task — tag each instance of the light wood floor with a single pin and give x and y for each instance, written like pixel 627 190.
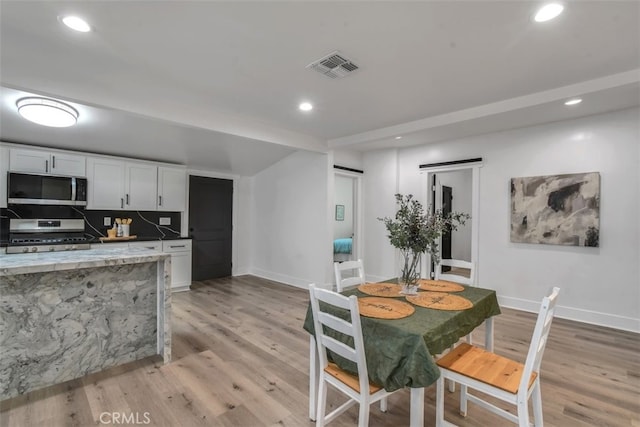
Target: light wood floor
pixel 241 359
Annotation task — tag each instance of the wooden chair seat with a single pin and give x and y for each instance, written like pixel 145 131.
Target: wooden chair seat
pixel 349 379
pixel 502 378
pixel 490 368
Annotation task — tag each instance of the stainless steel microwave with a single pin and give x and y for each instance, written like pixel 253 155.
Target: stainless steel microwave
pixel 33 189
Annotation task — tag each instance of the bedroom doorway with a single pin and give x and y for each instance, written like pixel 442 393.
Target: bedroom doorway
pixel 452 191
pixel 346 217
pixel 455 185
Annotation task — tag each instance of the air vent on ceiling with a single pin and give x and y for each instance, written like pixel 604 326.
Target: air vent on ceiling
pixel 335 65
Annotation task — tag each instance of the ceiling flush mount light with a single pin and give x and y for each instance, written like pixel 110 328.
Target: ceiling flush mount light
pixel 47 112
pixel 305 106
pixel 398 137
pixel 548 12
pixel 76 23
pixel 573 101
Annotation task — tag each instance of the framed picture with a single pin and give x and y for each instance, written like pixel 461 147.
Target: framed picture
pixel 339 212
pixel 556 209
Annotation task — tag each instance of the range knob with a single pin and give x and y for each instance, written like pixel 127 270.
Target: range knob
pixel 52 248
pixel 25 250
pixel 34 249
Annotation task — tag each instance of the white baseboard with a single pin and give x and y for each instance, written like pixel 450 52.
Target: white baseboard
pixel 240 271
pixel 287 280
pixel 579 315
pixel 576 314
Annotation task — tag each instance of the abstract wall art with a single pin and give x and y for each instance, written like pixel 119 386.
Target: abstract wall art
pixel 556 209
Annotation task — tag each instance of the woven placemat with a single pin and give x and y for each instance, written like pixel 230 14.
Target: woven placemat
pixel 440 301
pixel 381 289
pixel 439 286
pixel 384 308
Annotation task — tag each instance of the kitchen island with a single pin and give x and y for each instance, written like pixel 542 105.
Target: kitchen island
pixel 64 315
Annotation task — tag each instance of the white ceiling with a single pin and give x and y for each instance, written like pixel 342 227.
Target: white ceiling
pixel 215 84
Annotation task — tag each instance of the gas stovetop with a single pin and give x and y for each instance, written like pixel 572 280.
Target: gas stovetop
pixel 46 235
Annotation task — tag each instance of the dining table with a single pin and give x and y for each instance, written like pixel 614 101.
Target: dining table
pixel 400 352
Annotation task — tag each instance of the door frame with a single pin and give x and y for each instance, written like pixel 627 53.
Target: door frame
pixel 236 268
pixel 427 194
pixel 358 234
pixel 442 189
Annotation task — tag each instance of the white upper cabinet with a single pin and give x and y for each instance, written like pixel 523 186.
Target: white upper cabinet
pixel 105 178
pixel 41 161
pixel 4 167
pixel 116 184
pixel 141 187
pixel 172 189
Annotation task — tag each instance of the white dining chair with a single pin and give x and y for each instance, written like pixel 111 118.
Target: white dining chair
pixel 357 388
pixel 456 276
pixel 356 268
pixel 498 376
pixel 453 275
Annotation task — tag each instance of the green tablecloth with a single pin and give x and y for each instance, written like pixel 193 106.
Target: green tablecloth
pixel 399 352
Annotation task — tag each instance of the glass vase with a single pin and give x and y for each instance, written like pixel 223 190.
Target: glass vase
pixel 410 272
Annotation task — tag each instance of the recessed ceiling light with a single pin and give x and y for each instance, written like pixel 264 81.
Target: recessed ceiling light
pixel 305 106
pixel 573 101
pixel 76 23
pixel 398 137
pixel 47 112
pixel 548 12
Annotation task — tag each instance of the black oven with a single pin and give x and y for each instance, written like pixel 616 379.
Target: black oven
pixel 32 189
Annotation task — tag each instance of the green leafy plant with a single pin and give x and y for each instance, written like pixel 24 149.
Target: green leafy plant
pixel 415 232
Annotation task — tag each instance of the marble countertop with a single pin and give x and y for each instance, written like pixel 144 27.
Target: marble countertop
pixel 95 240
pixel 141 239
pixel 12 264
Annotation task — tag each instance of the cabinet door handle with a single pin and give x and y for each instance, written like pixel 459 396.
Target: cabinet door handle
pixel 159 200
pixel 127 199
pixel 46 165
pixel 53 162
pixel 177 246
pixel 121 203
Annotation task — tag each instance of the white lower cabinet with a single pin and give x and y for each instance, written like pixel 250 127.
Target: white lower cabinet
pixel 155 245
pixel 180 251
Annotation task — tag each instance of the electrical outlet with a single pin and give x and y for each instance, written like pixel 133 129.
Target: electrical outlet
pixel 165 220
pixel 106 220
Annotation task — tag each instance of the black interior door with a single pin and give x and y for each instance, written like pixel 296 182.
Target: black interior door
pixel 210 226
pixel 447 200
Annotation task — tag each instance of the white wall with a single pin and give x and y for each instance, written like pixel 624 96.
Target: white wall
pixel 242 228
pixel 343 196
pixel 348 158
pixel 380 183
pixel 460 183
pixel 599 285
pixel 291 238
